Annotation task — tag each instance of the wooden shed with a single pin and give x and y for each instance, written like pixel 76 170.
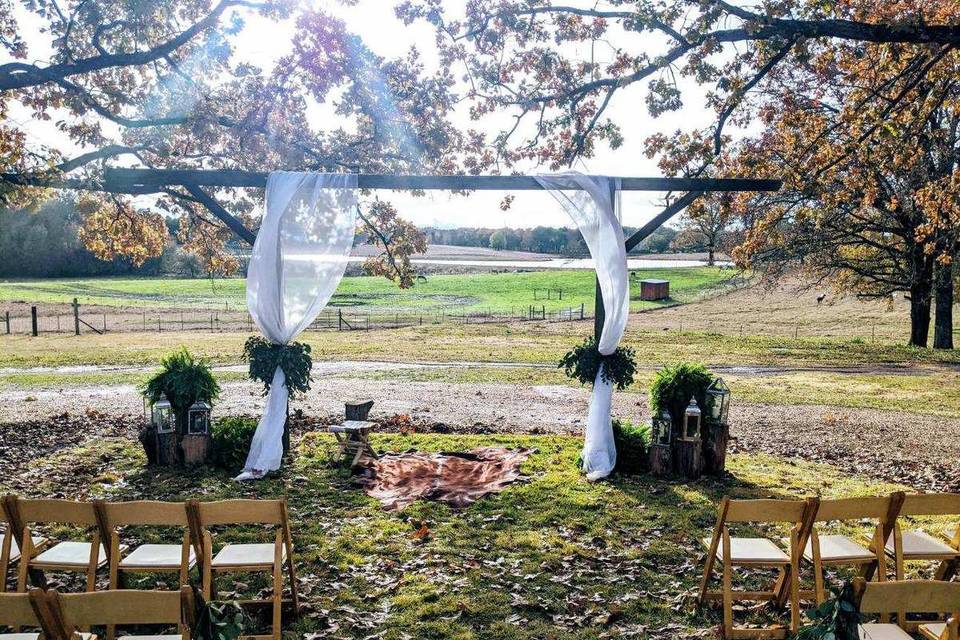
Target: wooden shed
pixel 654 289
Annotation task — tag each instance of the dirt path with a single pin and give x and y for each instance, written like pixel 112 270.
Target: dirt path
pixel 920 451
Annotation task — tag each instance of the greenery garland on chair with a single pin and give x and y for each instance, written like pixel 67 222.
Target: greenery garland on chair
pixel 294 359
pixel 838 618
pixel 583 362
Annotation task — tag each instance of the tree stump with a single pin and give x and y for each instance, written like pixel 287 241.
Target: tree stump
pixel 715 450
pixel 357 409
pixel 688 458
pixel 196 449
pixel 661 463
pixel 168 449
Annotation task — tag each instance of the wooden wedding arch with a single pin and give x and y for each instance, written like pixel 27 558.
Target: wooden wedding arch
pixel 147 181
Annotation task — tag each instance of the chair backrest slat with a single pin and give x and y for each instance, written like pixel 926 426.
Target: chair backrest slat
pixel 912 596
pixel 120 607
pixel 17 611
pixel 145 512
pixel 853 509
pixel 240 512
pixel 931 504
pixel 765 510
pixel 55 511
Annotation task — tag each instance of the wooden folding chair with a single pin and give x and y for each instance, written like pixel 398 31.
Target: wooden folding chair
pixel 21 610
pixel 9 547
pixel 909 596
pixel 84 557
pixel 916 544
pixel 69 612
pixel 840 550
pixel 733 552
pixel 256 557
pixel 146 558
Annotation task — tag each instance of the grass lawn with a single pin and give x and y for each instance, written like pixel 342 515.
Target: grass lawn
pixel 554 557
pixel 499 292
pixel 530 342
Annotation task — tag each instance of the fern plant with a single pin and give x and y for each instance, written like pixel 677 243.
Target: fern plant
pixel 182 380
pixel 583 362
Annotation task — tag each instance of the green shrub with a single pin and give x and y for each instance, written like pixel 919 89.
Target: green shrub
pixel 632 443
pixel 293 358
pixel 674 385
pixel 231 442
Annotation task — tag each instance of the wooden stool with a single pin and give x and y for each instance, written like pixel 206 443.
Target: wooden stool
pixel 353 437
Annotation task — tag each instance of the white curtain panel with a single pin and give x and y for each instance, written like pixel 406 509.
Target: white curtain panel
pixel 298 260
pixel 593 203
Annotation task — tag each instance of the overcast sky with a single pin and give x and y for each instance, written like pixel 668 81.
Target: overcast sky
pixel 262 41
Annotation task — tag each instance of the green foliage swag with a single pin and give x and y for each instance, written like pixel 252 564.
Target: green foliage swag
pixel 632 442
pixel 231 442
pixel 583 361
pixel 182 380
pixel 221 621
pixel 836 619
pixel 674 385
pixel 293 358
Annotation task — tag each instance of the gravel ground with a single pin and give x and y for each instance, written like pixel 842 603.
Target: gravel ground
pixel 916 450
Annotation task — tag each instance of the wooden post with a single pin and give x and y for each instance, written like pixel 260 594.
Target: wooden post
pixel 8 322
pixel 33 322
pixel 660 458
pixel 340 320
pixel 76 317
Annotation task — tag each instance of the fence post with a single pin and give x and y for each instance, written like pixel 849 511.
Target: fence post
pixel 581 311
pixel 76 317
pixel 8 322
pixel 104 323
pixel 339 319
pixel 33 321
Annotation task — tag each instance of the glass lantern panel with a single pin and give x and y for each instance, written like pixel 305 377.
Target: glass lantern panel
pixel 693 427
pixel 199 421
pixel 163 420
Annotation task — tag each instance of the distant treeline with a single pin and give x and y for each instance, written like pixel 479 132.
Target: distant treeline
pixel 559 240
pixel 45 244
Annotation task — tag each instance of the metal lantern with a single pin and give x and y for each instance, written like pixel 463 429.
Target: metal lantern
pixel 161 416
pixel 662 428
pixel 718 397
pixel 691 421
pixel 198 418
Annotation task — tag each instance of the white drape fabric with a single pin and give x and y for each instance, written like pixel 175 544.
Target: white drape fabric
pixel 298 260
pixel 593 203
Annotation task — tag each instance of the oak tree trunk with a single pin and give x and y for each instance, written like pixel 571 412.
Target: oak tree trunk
pixel 943 323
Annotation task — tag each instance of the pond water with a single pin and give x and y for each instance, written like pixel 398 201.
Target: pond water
pixel 566 263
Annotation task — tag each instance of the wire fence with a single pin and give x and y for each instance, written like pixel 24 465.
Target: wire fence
pixel 330 319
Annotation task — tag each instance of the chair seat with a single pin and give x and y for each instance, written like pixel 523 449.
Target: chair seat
pixel 70 554
pixel 876 631
pixel 920 544
pixel 161 556
pixel 19 636
pixel 246 555
pixel 167 637
pixel 15 549
pixel 751 551
pixel 932 630
pixel 838 548
pixel 353 426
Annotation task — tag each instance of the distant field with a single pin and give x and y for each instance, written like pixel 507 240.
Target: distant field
pixel 464 293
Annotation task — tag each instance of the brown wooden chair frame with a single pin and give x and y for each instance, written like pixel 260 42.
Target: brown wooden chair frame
pixel 912 596
pixel 111 515
pixel 7 538
pixel 269 512
pixel 24 512
pixel 799 513
pixel 928 504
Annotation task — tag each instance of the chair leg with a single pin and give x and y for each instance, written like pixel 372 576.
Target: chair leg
pixel 5 547
pixel 294 597
pixel 727 587
pixel 794 583
pixel 278 586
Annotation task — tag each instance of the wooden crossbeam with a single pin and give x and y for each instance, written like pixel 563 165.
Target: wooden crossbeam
pixel 143 180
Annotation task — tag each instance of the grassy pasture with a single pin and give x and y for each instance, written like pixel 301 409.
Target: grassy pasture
pixel 464 293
